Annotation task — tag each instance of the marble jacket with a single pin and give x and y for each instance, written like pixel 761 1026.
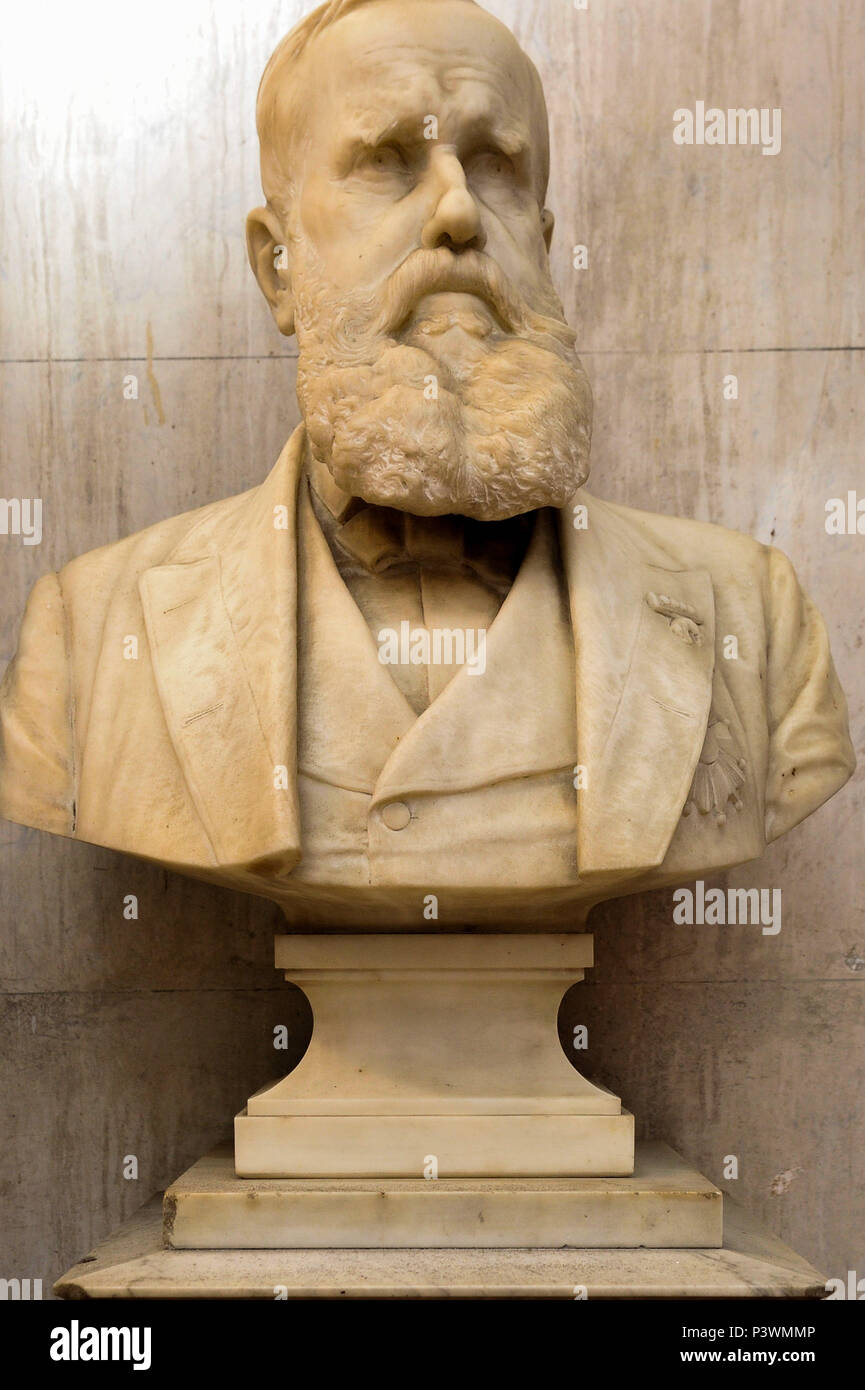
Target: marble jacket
pixel 612 743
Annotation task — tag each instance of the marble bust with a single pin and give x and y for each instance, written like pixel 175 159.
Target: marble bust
pixel 560 718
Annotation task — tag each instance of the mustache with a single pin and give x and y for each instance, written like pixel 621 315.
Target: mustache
pixel 441 271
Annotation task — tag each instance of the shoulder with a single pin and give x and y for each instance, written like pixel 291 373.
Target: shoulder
pixel 690 544
pixel 90 580
pixel 748 575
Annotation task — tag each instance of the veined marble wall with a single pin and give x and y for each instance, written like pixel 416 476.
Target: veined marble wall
pixel 129 161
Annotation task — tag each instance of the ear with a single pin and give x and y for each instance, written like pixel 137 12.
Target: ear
pixel 269 255
pixel 548 222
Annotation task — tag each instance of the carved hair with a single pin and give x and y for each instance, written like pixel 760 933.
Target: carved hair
pixel 273 107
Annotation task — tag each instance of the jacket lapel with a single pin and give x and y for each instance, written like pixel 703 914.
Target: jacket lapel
pixel 643 688
pixel 221 622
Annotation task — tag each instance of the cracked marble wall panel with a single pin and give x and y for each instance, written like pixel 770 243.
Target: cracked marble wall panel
pixel 63 906
pixel 133 167
pixel 713 246
pixel 708 1074
pixel 666 439
pixel 90 1077
pixel 105 466
pixel 821 936
pixel 145 162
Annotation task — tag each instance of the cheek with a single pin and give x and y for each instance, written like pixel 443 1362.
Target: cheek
pixel 517 243
pixel 320 216
pixel 357 237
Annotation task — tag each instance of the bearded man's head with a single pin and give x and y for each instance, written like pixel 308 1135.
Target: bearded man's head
pixel 405 158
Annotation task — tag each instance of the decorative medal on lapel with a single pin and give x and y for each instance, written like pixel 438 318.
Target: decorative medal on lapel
pixel 719 774
pixel 682 618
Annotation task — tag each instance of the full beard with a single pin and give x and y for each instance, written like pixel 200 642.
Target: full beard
pixel 499 430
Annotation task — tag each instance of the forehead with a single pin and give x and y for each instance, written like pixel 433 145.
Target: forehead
pixel 389 62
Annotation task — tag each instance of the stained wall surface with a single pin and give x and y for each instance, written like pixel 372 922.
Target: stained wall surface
pixel 129 161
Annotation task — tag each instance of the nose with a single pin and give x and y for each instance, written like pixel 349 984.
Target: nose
pixel 456 218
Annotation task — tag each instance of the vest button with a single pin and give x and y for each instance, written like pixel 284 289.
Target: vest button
pixel 396 815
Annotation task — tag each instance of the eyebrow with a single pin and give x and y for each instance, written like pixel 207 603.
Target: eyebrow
pixel 375 130
pixel 370 131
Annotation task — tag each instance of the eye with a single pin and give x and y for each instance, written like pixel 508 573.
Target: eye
pixel 384 159
pixel 492 166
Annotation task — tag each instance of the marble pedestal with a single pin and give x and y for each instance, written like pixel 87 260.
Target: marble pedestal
pixel 434 1052
pixel 440 1055
pixel 133 1263
pixel 665 1204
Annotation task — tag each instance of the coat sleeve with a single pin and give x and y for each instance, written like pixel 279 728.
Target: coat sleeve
pixel 810 753
pixel 37 766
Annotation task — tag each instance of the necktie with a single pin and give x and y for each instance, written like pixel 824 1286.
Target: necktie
pixel 381 538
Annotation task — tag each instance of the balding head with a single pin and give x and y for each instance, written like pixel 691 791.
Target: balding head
pixel 282 98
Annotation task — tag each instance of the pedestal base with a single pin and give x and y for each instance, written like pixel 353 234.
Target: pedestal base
pixel 133 1263
pixel 665 1204
pixel 391 1146
pixel 434 1050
